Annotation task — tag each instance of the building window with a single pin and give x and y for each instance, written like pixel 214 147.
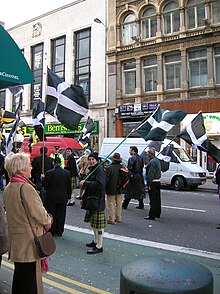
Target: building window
pixel 149 23
pixel 195 14
pixel 129 29
pixel 2 99
pixel 58 56
pixel 171 18
pixel 37 69
pixel 129 68
pixel 150 74
pixel 198 74
pixel 172 67
pixel 83 60
pixel 215 7
pixel 217 65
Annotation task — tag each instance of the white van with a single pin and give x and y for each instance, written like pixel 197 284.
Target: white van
pixel 183 171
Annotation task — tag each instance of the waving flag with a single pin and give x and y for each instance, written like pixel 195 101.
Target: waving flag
pixel 67 103
pixel 38 118
pixel 86 132
pixel 195 134
pixel 7 117
pixel 160 123
pixel 165 157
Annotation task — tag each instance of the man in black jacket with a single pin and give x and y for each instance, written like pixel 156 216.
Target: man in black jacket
pixel 58 190
pixel 135 187
pixel 37 163
pixel 71 166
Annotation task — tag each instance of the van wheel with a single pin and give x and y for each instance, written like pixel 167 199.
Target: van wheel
pixel 178 184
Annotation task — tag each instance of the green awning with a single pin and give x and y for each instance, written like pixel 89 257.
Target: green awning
pixel 14 69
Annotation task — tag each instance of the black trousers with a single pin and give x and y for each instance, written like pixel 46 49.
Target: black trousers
pixel 155 200
pixel 24 278
pixel 58 211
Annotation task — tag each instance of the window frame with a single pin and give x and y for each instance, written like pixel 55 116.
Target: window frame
pixel 151 68
pixel 58 67
pixel 198 60
pixel 83 64
pixel 171 15
pixel 197 22
pixel 148 29
pixel 175 64
pixel 128 29
pixel 128 72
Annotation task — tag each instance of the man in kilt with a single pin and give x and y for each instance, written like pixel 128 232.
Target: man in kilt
pixel 94 189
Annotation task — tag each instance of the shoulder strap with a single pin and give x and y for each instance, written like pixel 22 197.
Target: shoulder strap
pixel 22 201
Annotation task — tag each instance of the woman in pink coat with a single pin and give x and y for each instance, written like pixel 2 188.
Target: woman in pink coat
pixel 18 193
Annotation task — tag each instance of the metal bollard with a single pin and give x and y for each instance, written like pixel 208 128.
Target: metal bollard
pixel 161 274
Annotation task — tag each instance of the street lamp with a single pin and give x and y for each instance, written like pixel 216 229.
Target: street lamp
pixel 97 20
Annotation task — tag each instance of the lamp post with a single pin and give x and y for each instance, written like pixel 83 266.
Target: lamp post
pixel 97 20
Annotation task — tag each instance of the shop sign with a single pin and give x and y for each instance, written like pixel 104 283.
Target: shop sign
pixel 136 109
pixel 58 129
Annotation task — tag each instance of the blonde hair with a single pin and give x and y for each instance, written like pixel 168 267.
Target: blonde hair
pixel 16 162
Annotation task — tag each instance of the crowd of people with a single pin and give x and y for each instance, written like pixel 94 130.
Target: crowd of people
pixel 43 188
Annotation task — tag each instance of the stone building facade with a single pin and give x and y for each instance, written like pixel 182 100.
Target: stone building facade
pixel 166 52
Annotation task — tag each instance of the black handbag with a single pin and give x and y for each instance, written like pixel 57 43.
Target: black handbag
pixel 45 243
pixel 90 203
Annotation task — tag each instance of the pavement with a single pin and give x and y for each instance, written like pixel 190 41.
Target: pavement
pixel 74 271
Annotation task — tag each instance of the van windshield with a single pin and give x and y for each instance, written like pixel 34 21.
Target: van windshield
pixel 182 154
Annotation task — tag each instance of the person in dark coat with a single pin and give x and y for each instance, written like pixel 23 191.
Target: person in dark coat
pixel 2 171
pixel 37 163
pixel 114 189
pixel 58 190
pixel 153 170
pixel 135 187
pixel 71 166
pixel 95 186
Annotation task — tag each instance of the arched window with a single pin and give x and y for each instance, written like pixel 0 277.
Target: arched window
pixel 171 18
pixel 129 29
pixel 149 23
pixel 195 13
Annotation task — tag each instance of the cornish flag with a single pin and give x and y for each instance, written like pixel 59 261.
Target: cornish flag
pixel 195 134
pixel 160 123
pixel 86 132
pixel 38 118
pixel 66 103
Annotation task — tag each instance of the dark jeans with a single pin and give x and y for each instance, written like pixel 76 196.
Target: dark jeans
pixel 127 200
pixel 24 278
pixel 155 200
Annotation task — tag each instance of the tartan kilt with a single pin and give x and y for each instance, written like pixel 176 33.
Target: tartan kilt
pixel 96 219
pixel 74 183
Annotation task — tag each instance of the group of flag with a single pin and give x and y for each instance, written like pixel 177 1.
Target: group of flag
pixel 68 104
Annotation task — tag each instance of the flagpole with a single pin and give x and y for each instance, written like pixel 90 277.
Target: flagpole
pixel 43 161
pixel 101 162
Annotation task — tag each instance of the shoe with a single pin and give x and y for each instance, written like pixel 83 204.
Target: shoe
pixel 92 244
pixel 150 218
pixel 110 222
pixel 95 250
pixel 118 221
pixel 78 197
pixel 140 207
pixel 218 227
pixel 71 204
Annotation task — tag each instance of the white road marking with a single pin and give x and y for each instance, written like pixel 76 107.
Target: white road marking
pixel 175 207
pixel 192 251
